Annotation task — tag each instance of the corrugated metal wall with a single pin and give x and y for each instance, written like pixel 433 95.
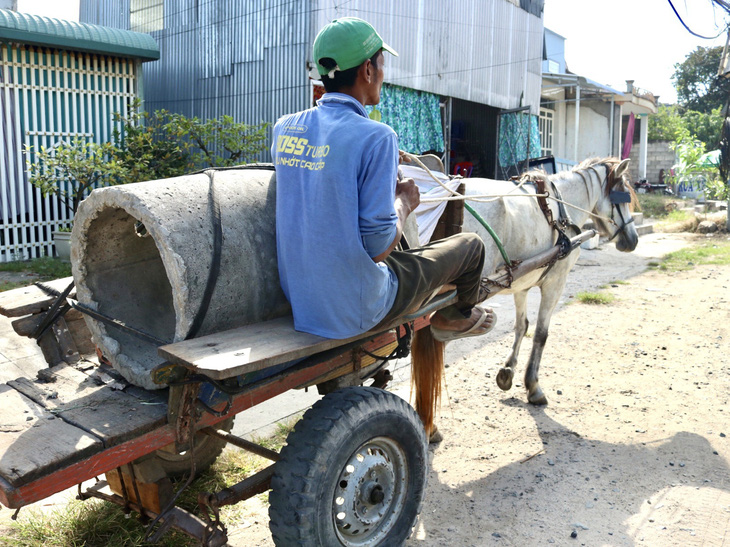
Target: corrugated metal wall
pixel 246 59
pixel 47 97
pixel 484 51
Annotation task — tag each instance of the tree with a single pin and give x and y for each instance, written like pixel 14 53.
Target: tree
pixel 696 81
pixel 70 169
pixel 149 146
pixel 669 121
pixel 666 124
pixel 145 147
pixel 161 144
pixel 689 150
pixel 705 126
pixel 218 142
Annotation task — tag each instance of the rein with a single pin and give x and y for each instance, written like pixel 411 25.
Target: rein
pixel 457 195
pixel 542 195
pixel 486 198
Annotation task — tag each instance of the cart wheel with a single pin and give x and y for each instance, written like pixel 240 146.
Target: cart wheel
pixel 353 472
pixel 207 449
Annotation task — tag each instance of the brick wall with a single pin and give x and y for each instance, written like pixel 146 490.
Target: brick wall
pixel 658 156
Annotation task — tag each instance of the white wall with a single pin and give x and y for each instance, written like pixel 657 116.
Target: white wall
pixel 594 134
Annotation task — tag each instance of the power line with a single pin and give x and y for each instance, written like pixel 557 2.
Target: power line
pixel 723 4
pixel 693 33
pixel 459 71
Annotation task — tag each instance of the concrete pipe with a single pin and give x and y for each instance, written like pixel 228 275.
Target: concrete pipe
pixel 141 254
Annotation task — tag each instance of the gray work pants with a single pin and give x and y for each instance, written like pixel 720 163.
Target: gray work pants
pixel 458 259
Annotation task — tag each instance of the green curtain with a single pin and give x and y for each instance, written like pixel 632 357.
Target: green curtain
pixel 514 129
pixel 414 115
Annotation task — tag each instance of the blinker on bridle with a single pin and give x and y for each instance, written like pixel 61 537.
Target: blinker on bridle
pixel 617 198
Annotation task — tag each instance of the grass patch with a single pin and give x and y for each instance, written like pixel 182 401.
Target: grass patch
pixel 45 268
pixel 618 282
pixel 99 523
pixel 84 523
pixel 678 221
pixel 595 297
pixel 658 206
pixel 708 252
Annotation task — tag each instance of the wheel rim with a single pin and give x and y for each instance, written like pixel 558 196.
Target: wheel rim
pixel 370 492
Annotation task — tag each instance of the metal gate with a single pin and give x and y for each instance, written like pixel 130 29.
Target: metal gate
pixel 49 96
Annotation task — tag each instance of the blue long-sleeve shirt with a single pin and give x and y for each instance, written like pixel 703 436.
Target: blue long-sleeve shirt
pixel 336 173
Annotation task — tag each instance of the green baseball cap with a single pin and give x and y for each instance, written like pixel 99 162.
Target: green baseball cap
pixel 349 41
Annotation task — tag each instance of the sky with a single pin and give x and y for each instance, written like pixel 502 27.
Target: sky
pixel 60 9
pixel 609 41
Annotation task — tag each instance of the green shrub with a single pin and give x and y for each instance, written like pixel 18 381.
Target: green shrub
pixel 595 297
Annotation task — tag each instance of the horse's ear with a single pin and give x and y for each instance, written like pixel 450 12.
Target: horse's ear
pixel 621 168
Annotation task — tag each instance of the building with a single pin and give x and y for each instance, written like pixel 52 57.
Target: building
pixel 59 80
pixel 580 118
pixel 467 98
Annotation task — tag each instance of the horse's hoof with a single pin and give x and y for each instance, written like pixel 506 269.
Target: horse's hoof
pixel 504 378
pixel 537 397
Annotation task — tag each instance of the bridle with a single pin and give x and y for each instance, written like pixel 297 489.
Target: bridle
pixel 618 197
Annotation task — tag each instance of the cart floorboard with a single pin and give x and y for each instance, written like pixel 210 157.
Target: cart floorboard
pixel 68 426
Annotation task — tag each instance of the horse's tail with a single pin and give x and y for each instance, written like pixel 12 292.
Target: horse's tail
pixel 427 364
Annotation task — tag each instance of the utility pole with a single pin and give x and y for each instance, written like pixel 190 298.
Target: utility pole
pixel 723 71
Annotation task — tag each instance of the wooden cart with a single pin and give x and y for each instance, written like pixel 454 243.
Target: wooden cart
pixel 352 473
pixel 353 470
pixel 79 420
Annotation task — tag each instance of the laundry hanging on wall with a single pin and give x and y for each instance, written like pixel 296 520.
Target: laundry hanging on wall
pixel 519 138
pixel 414 115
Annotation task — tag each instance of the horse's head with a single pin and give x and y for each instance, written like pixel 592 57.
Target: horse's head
pixel 614 206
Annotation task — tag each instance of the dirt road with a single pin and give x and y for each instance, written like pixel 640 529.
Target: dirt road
pixel 633 446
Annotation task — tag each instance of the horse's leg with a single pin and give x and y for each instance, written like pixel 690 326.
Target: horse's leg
pixel 504 377
pixel 550 292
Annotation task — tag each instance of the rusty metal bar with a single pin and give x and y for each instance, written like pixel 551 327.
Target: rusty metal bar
pixel 242 443
pixel 176 517
pixel 247 488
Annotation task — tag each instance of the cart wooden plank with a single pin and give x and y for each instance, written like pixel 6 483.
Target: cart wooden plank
pixel 33 442
pixel 87 403
pixel 31 299
pixel 261 345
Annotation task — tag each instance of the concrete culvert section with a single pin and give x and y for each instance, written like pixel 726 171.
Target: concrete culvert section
pixel 141 253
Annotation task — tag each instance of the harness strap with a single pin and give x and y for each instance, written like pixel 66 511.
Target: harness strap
pixel 564 218
pixel 541 196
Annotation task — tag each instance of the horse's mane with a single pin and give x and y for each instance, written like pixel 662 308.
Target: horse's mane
pixel 610 163
pixel 590 164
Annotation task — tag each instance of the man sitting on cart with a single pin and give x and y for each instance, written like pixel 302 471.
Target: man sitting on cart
pixel 340 208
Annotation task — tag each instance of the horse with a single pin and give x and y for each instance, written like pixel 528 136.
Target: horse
pixel 597 188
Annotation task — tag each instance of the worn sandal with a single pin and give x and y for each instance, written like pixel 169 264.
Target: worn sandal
pixel 442 335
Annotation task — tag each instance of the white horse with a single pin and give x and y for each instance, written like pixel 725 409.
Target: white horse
pixel 595 188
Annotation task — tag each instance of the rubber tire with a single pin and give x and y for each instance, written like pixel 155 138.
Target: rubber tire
pixel 207 450
pixel 317 451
